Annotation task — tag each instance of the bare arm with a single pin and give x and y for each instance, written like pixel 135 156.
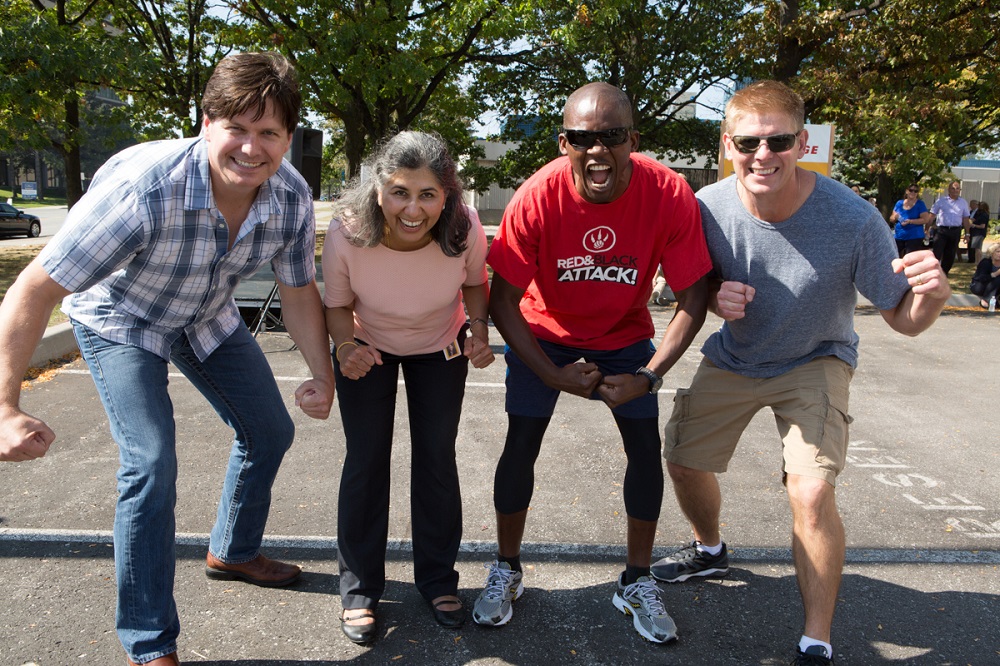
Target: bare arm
pixel 929 291
pixel 355 360
pixel 24 314
pixel 692 305
pixel 477 345
pixel 576 378
pixel 302 313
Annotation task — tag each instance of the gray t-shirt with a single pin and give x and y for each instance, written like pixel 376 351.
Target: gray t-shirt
pixel 806 271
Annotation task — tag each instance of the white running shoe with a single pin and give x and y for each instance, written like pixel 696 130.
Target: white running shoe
pixel 503 586
pixel 644 602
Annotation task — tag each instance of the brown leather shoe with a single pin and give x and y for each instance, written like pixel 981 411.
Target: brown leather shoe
pixel 169 660
pixel 258 571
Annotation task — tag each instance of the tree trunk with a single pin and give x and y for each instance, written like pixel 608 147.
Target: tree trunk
pixel 885 196
pixel 39 176
pixel 354 148
pixel 71 151
pixel 788 56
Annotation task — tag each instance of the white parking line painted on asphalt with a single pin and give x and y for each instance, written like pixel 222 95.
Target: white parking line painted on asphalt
pixel 542 549
pixel 975 528
pixel 952 502
pixel 965 504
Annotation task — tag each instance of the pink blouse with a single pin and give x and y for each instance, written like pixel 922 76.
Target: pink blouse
pixel 405 303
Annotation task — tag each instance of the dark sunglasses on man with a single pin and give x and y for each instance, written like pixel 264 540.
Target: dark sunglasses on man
pixel 585 139
pixel 777 143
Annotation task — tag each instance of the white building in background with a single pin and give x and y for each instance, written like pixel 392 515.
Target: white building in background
pixel 980 181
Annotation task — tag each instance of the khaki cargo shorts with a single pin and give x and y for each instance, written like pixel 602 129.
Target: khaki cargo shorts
pixel 810 409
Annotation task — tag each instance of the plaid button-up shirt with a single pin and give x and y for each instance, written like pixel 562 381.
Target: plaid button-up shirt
pixel 145 250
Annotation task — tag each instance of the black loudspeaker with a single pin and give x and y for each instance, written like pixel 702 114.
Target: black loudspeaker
pixel 306 155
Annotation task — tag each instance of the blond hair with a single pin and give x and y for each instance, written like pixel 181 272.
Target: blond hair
pixel 762 98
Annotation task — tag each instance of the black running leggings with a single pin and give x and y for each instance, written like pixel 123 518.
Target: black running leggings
pixel 515 475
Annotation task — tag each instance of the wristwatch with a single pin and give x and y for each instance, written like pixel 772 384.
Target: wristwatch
pixel 655 381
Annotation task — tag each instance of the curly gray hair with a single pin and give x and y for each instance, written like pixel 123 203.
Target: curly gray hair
pixel 362 217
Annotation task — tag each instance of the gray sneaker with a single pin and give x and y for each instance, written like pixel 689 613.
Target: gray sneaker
pixel 689 562
pixel 503 587
pixel 644 602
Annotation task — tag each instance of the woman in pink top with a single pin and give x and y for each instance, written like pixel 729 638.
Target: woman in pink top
pixel 397 266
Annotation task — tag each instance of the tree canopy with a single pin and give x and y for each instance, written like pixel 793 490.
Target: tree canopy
pixel 911 85
pixel 51 55
pixel 380 66
pixel 663 54
pixel 179 51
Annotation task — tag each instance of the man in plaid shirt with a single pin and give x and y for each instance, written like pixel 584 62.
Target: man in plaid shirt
pixel 147 263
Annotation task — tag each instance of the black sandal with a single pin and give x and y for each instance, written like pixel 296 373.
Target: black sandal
pixel 360 634
pixel 449 619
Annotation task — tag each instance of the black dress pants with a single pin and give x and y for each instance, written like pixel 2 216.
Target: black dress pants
pixel 946 246
pixel 435 388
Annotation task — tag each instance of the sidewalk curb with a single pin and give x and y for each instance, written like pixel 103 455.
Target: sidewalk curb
pixel 57 341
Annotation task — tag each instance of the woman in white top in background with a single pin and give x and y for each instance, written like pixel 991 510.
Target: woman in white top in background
pixel 397 265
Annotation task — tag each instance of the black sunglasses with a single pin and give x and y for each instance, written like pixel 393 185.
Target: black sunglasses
pixel 778 143
pixel 585 139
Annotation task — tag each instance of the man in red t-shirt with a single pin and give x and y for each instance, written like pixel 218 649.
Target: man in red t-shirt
pixel 574 262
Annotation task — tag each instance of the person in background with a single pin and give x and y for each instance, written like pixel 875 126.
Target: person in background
pixel 911 216
pixel 951 217
pixel 398 263
pixel 986 281
pixel 978 226
pixel 148 261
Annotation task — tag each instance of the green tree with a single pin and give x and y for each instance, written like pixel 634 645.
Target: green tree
pixel 663 54
pixel 179 51
pixel 380 66
pixel 334 172
pixel 51 55
pixel 911 85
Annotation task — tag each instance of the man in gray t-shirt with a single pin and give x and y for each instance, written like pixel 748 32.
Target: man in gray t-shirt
pixel 790 251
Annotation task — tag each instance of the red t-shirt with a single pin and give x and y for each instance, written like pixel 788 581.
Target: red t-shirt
pixel 588 269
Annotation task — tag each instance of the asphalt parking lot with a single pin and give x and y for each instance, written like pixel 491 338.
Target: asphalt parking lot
pixel 919 500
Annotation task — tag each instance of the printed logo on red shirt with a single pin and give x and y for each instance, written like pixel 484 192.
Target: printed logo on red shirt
pixel 599 239
pixel 595 266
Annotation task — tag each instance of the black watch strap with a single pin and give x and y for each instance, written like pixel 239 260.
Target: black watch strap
pixel 655 381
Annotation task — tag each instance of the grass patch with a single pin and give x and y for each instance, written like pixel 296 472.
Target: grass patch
pixel 961 276
pixel 13 259
pixel 6 193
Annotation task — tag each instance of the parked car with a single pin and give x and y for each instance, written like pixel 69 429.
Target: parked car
pixel 14 221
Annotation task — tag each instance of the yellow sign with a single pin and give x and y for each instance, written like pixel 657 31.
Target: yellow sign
pixel 818 157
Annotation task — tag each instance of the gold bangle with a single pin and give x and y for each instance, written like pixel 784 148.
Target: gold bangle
pixel 479 320
pixel 341 346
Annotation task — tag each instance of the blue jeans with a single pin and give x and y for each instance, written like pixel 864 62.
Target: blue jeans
pixel 132 383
